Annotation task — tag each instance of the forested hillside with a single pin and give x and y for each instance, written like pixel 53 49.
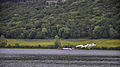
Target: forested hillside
pixel 66 18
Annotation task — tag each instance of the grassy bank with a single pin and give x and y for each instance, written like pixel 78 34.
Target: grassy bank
pixel 101 44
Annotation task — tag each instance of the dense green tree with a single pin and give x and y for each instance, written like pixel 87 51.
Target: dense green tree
pixel 44 33
pixel 113 33
pixel 66 18
pixel 39 35
pixel 64 32
pixel 3 41
pixel 57 42
pixel 98 32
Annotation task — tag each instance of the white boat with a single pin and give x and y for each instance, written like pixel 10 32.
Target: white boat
pixel 67 48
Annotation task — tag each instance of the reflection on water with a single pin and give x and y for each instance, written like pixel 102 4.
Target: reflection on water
pixel 63 58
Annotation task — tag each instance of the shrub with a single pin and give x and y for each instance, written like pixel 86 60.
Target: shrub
pixel 9 46
pixel 57 42
pixel 39 46
pixel 17 45
pixel 3 41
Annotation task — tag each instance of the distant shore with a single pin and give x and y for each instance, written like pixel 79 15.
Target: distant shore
pixel 63 39
pixel 102 44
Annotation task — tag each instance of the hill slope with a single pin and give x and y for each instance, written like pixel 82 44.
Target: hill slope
pixel 66 18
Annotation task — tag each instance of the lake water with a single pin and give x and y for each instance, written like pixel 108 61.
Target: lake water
pixel 58 58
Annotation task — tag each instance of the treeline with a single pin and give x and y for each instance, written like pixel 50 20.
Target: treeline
pixel 69 19
pixel 14 0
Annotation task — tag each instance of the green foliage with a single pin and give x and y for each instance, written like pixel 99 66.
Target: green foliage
pixel 3 41
pixel 44 33
pixel 64 32
pixel 57 43
pixel 31 19
pixel 39 46
pixel 9 46
pixel 113 33
pixel 97 32
pixel 17 45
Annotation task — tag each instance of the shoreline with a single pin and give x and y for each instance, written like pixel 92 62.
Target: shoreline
pixel 61 48
pixel 49 44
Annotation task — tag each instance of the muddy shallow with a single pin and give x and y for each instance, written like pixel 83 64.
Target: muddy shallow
pixel 58 58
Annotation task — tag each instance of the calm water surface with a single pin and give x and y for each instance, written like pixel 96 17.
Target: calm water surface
pixel 58 58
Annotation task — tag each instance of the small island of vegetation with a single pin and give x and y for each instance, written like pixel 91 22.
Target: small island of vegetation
pixel 101 44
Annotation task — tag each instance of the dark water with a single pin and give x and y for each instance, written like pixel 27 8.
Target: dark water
pixel 58 58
